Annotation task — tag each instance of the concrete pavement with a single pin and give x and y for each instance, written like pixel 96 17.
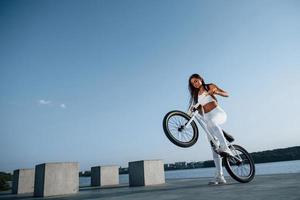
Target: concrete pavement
pixel 275 187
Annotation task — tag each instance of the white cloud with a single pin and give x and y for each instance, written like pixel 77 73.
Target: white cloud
pixel 48 102
pixel 43 102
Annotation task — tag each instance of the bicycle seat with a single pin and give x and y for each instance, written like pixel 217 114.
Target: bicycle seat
pixel 228 137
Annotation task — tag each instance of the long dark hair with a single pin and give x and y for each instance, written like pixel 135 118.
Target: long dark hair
pixel 194 91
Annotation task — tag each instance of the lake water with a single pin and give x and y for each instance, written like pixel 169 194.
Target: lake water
pixel 263 168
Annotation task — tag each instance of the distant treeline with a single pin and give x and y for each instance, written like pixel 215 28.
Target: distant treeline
pixel 4 177
pixel 276 155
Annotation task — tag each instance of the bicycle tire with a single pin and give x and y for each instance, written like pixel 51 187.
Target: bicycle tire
pixel 170 135
pixel 251 175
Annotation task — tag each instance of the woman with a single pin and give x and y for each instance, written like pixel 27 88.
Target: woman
pixel 214 116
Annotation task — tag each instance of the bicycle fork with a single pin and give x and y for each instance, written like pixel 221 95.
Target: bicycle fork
pixel 237 156
pixel 190 121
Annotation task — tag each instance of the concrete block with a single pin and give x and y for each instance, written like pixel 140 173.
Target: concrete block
pixel 146 172
pixel 104 175
pixel 23 181
pixel 56 179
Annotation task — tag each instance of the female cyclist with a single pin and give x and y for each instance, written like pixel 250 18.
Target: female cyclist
pixel 214 116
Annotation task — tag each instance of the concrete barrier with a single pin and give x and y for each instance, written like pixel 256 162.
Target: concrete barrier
pixel 146 172
pixel 56 179
pixel 23 181
pixel 104 175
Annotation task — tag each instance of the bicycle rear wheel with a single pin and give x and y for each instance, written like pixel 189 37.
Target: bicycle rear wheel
pixel 243 171
pixel 173 125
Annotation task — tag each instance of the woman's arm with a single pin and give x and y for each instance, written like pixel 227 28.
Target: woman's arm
pixel 191 105
pixel 214 89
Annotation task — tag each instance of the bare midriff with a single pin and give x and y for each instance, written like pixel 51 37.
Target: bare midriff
pixel 209 106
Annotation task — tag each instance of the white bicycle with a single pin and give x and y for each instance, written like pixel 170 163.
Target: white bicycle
pixel 181 130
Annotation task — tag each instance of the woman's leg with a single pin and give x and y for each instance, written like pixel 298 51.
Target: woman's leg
pixel 216 131
pixel 218 163
pixel 213 119
pixel 219 176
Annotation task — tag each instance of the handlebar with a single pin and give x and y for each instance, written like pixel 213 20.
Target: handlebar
pixel 195 108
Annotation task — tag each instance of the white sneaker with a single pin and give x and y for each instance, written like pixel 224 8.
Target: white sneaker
pixel 226 150
pixel 219 179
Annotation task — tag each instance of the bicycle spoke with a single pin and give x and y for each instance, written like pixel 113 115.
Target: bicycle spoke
pixel 177 123
pixel 175 131
pixel 181 121
pixel 174 120
pixel 243 169
pixel 183 135
pixel 186 134
pixel 172 123
pixel 235 169
pixel 178 135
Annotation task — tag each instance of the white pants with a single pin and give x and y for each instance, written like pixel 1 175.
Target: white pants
pixel 214 119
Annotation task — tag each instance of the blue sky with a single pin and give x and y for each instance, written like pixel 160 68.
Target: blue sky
pixel 90 81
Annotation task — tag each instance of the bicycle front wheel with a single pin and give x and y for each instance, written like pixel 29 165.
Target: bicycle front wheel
pixel 173 125
pixel 243 171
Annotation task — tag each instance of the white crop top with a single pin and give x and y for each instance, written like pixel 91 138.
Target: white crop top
pixel 203 99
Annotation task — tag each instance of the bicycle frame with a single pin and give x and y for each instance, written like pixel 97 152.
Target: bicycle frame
pixel 200 119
